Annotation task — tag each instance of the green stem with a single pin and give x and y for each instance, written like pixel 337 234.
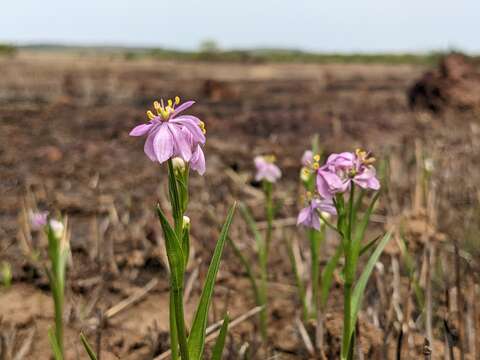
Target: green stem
pixel 173 329
pixel 180 322
pixel 267 187
pixel 177 289
pixel 314 237
pixel 349 278
pixel 58 304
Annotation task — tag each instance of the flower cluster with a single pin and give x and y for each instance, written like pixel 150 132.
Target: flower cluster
pixel 335 177
pixel 172 135
pixel 39 220
pixel 266 169
pixel 341 170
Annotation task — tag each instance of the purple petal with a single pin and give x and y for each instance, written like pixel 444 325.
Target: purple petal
pixel 327 206
pixel 182 146
pixel 148 148
pixel 163 144
pixel 197 162
pixel 141 130
pixel 303 215
pixel 367 179
pixel 191 123
pixel 315 222
pixel 181 108
pixel 307 158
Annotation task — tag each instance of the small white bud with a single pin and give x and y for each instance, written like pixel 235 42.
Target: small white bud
pixel 429 165
pixel 178 164
pixel 186 221
pixel 57 228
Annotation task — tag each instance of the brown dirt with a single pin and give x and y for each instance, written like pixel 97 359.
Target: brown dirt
pixel 64 124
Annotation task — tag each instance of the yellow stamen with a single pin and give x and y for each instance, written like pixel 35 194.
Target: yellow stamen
pixel 316 158
pixel 177 100
pixel 150 115
pixel 170 103
pixel 316 166
pixel 270 158
pixel 157 107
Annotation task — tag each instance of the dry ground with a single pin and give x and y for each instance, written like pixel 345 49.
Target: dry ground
pixel 64 144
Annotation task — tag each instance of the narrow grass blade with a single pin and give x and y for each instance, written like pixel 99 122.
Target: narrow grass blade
pixel 298 279
pixel 248 269
pixel 176 258
pixel 360 232
pixel 327 276
pixel 247 216
pixel 196 340
pixel 369 245
pixel 363 280
pixel 57 352
pixel 88 347
pixel 220 343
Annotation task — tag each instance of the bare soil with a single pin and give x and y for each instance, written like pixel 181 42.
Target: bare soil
pixel 64 145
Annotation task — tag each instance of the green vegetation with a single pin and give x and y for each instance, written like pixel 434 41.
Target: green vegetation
pixel 209 51
pixel 7 50
pixel 279 56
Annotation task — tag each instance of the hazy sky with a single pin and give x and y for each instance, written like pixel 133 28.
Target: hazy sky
pixel 336 25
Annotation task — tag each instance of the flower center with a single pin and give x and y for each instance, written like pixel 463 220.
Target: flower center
pixel 162 110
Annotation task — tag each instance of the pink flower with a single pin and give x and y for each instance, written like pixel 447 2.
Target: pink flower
pixel 266 169
pixel 170 135
pixel 38 219
pixel 307 158
pixel 308 216
pixel 342 169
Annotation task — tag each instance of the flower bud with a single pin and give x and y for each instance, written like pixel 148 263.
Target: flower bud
pixel 326 215
pixel 38 219
pixel 57 227
pixel 305 174
pixel 178 165
pixel 186 222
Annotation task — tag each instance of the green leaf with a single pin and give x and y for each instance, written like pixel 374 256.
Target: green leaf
pixel 327 275
pixel 220 343
pixel 369 245
pixel 247 216
pixel 196 340
pixel 175 199
pixel 298 279
pixel 88 347
pixel 248 268
pixel 186 244
pixel 176 258
pixel 359 289
pixel 360 232
pixel 173 328
pixel 57 352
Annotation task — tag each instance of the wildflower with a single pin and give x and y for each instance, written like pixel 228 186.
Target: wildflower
pixel 308 216
pixel 342 169
pixel 38 219
pixel 307 158
pixel 172 135
pixel 57 227
pixel 266 169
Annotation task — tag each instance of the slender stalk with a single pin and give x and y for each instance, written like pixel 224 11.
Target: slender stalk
pixel 315 239
pixel 269 212
pixel 58 305
pixel 173 329
pixel 57 256
pixel 180 322
pixel 349 278
pixel 176 299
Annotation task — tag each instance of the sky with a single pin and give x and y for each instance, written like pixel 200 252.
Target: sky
pixel 312 25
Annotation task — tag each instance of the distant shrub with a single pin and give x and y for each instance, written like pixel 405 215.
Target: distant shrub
pixel 7 50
